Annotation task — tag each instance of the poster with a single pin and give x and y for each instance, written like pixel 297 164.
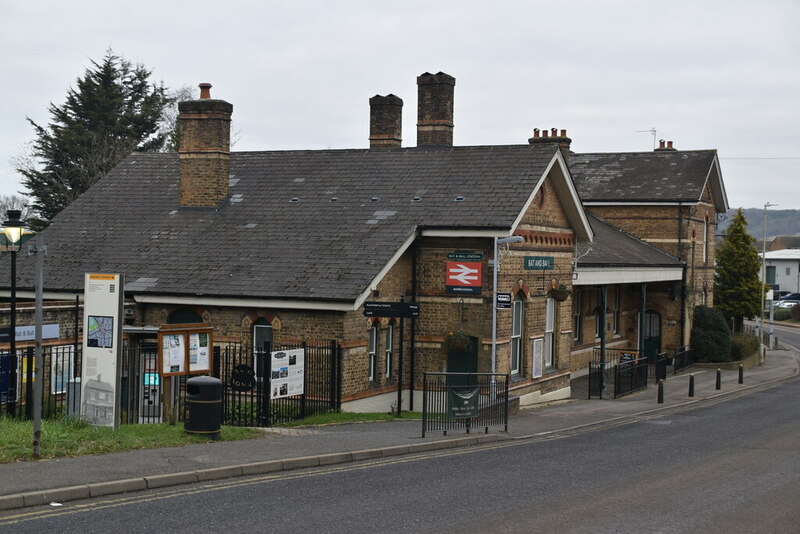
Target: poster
pixel 287 373
pixel 199 351
pixel 173 352
pixel 538 355
pixel 61 362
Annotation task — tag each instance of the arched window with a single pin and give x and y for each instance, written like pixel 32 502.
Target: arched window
pixel 389 350
pixel 262 343
pixel 705 240
pixel 372 349
pixel 549 329
pixel 517 321
pixel 184 315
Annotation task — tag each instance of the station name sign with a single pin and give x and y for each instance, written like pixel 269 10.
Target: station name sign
pixel 539 263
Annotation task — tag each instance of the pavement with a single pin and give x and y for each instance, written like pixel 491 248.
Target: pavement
pixel 40 482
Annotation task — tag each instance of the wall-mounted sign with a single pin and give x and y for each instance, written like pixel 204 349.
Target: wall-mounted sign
pixel 503 301
pixel 102 337
pixel 539 263
pixel 465 255
pixel 185 349
pixel 28 333
pixel 464 277
pixel 391 309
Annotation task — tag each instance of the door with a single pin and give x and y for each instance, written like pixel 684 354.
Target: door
pixel 652 334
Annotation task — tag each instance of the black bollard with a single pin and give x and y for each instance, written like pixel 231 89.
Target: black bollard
pixel 661 392
pixel 741 374
pixel 719 379
pixel 691 385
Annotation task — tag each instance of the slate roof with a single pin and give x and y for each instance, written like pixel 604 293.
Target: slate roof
pixel 613 247
pixel 282 235
pixel 663 176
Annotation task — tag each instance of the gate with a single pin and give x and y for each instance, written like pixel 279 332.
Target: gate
pixel 247 393
pixel 464 400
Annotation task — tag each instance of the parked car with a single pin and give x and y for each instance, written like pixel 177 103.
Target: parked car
pixel 790 296
pixel 778 293
pixel 787 303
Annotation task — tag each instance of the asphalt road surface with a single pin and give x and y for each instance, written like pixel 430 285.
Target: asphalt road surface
pixel 725 466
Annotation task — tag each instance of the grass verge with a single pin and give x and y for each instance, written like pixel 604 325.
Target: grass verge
pixel 73 437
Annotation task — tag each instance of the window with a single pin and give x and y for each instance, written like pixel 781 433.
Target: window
pixel 516 333
pixel 389 345
pixel 372 348
pixel 771 275
pixel 788 271
pixel 616 303
pixel 549 328
pixel 576 316
pixel 705 240
pixel 598 313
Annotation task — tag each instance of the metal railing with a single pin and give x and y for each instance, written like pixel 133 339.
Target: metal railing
pixel 453 401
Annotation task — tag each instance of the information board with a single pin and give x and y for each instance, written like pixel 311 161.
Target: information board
pixel 185 349
pixel 287 376
pixel 102 338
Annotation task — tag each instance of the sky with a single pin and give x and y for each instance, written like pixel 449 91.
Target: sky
pixel 703 74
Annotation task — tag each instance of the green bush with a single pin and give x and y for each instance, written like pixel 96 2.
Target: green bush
pixel 796 312
pixel 781 314
pixel 743 345
pixel 711 338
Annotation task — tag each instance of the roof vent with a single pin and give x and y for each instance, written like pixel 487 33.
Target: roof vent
pixel 334 199
pixel 294 199
pixel 416 199
pixel 458 199
pixel 374 199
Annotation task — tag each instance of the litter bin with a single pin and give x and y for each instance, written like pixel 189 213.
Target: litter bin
pixel 203 406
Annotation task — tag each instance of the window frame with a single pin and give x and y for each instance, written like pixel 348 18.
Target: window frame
pixel 389 339
pixel 372 352
pixel 549 333
pixel 517 327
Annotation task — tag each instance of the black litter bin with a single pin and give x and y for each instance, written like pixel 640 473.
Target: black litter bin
pixel 203 406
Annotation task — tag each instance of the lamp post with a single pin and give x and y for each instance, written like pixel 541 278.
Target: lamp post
pixel 763 280
pixel 13 230
pixel 495 270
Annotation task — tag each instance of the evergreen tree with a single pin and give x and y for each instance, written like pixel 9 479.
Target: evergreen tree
pixel 113 111
pixel 737 288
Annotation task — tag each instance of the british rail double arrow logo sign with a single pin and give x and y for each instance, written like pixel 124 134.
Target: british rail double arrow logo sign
pixel 464 277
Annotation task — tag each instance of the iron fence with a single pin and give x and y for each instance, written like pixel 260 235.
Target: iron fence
pixel 464 401
pixel 630 376
pixel 247 376
pixel 682 358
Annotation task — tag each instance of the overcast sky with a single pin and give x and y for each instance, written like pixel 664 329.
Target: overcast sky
pixel 704 74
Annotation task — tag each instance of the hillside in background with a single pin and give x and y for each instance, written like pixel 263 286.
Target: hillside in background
pixel 779 222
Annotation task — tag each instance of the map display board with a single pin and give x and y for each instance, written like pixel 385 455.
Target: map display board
pixel 185 349
pixel 102 338
pixel 288 373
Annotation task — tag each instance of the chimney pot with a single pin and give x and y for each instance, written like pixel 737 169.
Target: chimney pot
pixel 563 133
pixel 661 143
pixel 669 144
pixel 544 133
pixel 536 133
pixel 205 90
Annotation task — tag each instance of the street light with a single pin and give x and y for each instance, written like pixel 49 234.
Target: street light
pixel 763 279
pixel 13 228
pixel 496 269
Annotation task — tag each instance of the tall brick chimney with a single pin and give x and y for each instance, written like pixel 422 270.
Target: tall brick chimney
pixel 204 153
pixel 435 109
pixel 665 146
pixel 385 121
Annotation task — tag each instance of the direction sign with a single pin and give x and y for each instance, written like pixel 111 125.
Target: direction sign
pixel 503 301
pixel 539 263
pixel 391 309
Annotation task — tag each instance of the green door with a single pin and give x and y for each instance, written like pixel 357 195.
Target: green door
pixel 462 358
pixel 652 334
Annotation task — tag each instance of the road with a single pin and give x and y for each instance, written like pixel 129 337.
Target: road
pixel 724 466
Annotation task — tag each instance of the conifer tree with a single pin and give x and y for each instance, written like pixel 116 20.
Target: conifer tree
pixel 112 111
pixel 737 287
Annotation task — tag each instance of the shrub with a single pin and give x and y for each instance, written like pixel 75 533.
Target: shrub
pixel 796 312
pixel 782 314
pixel 743 345
pixel 711 338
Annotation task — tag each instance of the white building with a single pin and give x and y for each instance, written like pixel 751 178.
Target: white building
pixel 783 269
